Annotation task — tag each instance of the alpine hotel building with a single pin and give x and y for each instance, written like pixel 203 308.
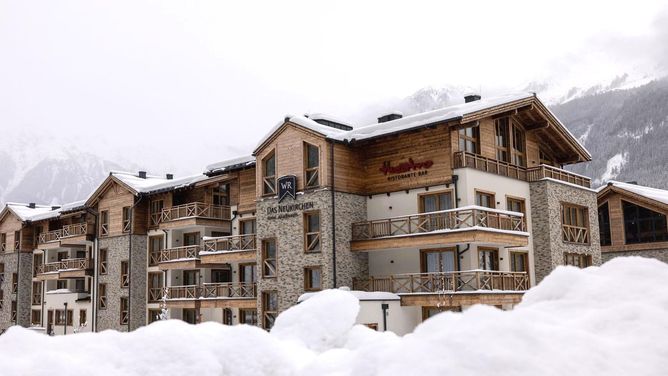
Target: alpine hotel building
pixel 436 211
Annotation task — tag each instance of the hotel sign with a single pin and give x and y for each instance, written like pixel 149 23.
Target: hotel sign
pixel 406 170
pixel 288 210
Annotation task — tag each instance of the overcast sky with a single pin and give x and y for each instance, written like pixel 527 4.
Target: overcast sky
pixel 137 79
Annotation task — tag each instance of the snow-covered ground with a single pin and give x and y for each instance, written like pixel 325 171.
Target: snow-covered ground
pixel 610 320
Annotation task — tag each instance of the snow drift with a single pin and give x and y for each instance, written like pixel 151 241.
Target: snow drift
pixel 610 320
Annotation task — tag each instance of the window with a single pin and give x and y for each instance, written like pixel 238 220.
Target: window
pixel 488 259
pixel 576 259
pixel 311 165
pixel 247 227
pixel 227 316
pixel 574 223
pixel 36 293
pixel 156 211
pixel 221 195
pixel 104 222
pixel 154 249
pixel 269 174
pixel 126 219
pixel 62 255
pixel 17 240
pixel 468 139
pixel 485 199
pixel 190 277
pixel 3 242
pixel 312 232
pixel 269 258
pixel 2 299
pixel 36 317
pixel 269 308
pixel 438 261
pixel 515 205
pixel 221 275
pixel 125 311
pixel 519 146
pixel 154 315
pixel 191 238
pixel 61 284
pixel 15 283
pixel 428 312
pixel 82 317
pixel 125 276
pixel 435 202
pixel 247 316
pixel 103 261
pixel 313 278
pixel 642 225
pixel 604 224
pixel 63 316
pixel 13 312
pixel 154 287
pixel 502 139
pixel 102 295
pixel 546 159
pixel 80 285
pixel 246 273
pixel 190 315
pixel 519 262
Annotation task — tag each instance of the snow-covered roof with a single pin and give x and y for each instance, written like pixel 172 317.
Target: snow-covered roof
pixel 401 124
pixel 57 212
pixel 25 213
pixel 154 183
pixel 655 194
pixel 230 164
pixel 328 117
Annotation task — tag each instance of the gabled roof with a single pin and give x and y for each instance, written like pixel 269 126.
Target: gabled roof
pixel 460 112
pixel 229 165
pixel 24 212
pixel 654 195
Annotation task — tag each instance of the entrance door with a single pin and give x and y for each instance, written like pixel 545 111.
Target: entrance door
pixel 190 315
pixel 440 261
pixel 227 316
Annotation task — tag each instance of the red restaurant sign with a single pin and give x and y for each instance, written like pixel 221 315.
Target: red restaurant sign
pixel 409 169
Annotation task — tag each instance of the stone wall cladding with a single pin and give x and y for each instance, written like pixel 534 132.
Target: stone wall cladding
pixel 659 254
pixel 11 263
pixel 549 247
pixel 291 258
pixel 117 251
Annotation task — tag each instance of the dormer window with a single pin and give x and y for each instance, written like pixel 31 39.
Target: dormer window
pixel 269 174
pixel 311 166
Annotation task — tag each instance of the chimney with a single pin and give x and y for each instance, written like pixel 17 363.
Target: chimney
pixel 55 207
pixel 389 117
pixel 142 174
pixel 169 176
pixel 632 182
pixel 472 98
pixel 31 205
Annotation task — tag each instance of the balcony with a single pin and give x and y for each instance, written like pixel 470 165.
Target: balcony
pixel 211 295
pixel 452 288
pixel 73 234
pixel 463 159
pixel 192 214
pixel 227 249
pixel 470 224
pixel 177 258
pixel 67 268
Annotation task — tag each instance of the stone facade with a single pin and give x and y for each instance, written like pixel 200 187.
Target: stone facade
pixel 549 246
pixel 117 251
pixel 23 267
pixel 659 254
pixel 288 230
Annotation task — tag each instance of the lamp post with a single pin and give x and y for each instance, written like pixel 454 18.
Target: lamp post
pixel 65 321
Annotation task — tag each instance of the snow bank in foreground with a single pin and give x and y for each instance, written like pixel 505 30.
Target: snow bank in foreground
pixel 611 320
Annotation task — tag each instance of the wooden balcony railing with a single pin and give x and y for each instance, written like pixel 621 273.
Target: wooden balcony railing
pixel 230 243
pixel 472 280
pixel 67 231
pixel 227 290
pixel 465 159
pixel 545 171
pixel 66 264
pixel 452 219
pixel 575 234
pixel 190 252
pixel 155 294
pixel 192 210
